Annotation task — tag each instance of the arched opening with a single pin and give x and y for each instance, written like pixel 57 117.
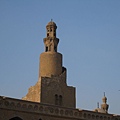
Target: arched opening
pixel 46 49
pixel 47 34
pixel 16 118
pixel 47 30
pixel 60 99
pixel 56 99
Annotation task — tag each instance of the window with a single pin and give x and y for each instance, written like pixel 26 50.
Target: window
pixel 47 34
pixel 46 49
pixel 58 100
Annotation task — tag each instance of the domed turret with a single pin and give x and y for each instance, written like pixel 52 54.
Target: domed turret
pixel 51 29
pixel 51 23
pixel 104 106
pixel 51 42
pixel 104 99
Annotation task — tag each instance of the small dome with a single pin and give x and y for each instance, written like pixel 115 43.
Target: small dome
pixel 104 98
pixel 51 23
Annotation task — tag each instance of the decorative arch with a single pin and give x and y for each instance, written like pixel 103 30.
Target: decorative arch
pixel 16 118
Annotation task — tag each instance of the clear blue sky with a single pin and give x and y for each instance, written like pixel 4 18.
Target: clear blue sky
pixel 89 33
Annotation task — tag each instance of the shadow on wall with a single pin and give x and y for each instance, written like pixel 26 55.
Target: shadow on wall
pixel 18 118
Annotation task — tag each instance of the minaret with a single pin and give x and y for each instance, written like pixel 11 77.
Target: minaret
pixel 51 87
pixel 104 106
pixel 50 60
pixel 51 41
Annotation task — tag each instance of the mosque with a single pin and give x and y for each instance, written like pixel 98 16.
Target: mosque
pixel 51 98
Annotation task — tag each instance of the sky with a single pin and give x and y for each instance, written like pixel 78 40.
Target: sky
pixel 89 33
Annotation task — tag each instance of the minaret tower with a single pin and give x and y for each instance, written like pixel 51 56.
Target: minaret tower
pixel 104 106
pixel 51 41
pixel 51 87
pixel 50 60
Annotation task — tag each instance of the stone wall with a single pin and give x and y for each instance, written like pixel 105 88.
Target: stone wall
pixel 47 88
pixel 26 110
pixel 56 87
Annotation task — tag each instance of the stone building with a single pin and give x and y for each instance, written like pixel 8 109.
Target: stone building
pixel 51 98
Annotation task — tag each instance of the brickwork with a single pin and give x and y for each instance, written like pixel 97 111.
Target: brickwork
pixel 55 91
pixel 50 64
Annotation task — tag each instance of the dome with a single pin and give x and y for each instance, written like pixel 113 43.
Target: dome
pixel 51 23
pixel 104 98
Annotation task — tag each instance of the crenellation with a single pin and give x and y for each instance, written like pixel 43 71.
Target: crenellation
pixel 51 98
pixel 39 108
pixel 21 105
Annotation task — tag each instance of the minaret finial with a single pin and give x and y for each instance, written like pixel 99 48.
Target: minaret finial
pixel 104 94
pixel 51 20
pixel 97 104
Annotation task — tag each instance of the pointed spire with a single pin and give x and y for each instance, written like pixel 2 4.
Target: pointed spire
pixel 104 99
pixel 97 104
pixel 104 94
